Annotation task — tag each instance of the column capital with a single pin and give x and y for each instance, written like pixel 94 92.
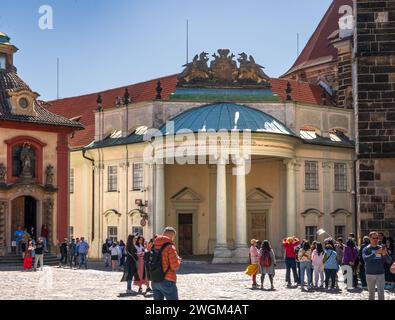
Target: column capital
pixel 292 164
pixel 326 165
pixel 222 160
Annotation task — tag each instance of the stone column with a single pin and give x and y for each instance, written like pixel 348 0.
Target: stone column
pixel 241 253
pixel 160 198
pixel 222 254
pixel 291 198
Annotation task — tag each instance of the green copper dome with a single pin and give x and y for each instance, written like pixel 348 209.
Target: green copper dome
pixel 227 116
pixel 4 38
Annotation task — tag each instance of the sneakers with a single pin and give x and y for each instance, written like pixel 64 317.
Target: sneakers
pixel 129 291
pixel 140 290
pixel 388 287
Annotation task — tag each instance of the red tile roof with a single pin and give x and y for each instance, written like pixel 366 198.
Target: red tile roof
pixel 318 49
pixel 83 107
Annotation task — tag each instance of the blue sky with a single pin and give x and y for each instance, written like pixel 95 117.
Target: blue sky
pixel 104 44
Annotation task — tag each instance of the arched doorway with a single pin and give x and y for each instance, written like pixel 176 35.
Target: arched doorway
pixel 24 214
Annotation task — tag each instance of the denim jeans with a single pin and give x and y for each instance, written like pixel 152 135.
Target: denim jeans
pixel 45 243
pixel 165 289
pixel 290 263
pixel 106 259
pixel 83 260
pixel 129 284
pixel 330 274
pixel 362 275
pixel 18 248
pixel 305 266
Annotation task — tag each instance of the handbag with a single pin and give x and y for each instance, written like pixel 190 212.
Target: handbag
pixel 252 269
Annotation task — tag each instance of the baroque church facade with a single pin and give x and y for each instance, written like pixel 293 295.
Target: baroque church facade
pixel 34 156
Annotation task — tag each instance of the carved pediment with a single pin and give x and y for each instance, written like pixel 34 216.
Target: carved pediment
pixel 312 211
pixel 186 195
pixel 112 211
pixel 259 195
pixel 341 211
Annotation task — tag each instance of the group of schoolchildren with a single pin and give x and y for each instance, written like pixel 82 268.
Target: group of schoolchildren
pixel 315 265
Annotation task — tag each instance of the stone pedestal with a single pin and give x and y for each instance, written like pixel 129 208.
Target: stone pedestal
pixel 241 254
pixel 222 254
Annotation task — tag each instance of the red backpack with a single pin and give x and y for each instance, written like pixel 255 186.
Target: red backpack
pixel 265 260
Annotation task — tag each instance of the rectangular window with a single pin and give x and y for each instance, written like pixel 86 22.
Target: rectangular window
pixel 138 231
pixel 340 231
pixel 72 180
pixel 112 233
pixel 311 175
pixel 340 177
pixel 138 176
pixel 311 233
pixel 112 179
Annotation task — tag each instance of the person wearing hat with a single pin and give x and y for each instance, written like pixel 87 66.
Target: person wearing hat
pixel 254 258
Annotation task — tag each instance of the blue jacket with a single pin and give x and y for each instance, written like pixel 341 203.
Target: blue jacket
pixel 331 261
pixel 374 264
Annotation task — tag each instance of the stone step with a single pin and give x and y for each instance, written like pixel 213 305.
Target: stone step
pixel 49 259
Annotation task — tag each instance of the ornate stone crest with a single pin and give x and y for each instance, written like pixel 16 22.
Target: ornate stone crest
pixel 223 71
pixel 224 68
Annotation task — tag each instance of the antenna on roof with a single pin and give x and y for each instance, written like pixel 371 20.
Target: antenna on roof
pixel 297 45
pixel 57 77
pixel 187 41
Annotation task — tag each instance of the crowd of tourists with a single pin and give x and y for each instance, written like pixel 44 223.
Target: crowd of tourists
pixel 31 248
pixel 73 253
pixel 155 262
pixel 316 265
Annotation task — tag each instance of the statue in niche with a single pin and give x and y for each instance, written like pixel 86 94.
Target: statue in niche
pixel 49 175
pixel 27 160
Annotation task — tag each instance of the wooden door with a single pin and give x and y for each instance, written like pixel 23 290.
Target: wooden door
pixel 257 225
pixel 185 236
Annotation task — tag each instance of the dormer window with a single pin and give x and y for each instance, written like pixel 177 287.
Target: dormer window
pixel 2 62
pixel 23 103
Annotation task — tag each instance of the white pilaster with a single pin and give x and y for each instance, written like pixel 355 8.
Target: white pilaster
pixel 160 198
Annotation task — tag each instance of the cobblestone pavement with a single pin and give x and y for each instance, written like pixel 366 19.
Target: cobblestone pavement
pixel 195 282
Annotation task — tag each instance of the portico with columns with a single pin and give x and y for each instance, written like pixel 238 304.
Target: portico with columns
pixel 218 206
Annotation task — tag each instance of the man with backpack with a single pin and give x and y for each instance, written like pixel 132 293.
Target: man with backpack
pixel 162 265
